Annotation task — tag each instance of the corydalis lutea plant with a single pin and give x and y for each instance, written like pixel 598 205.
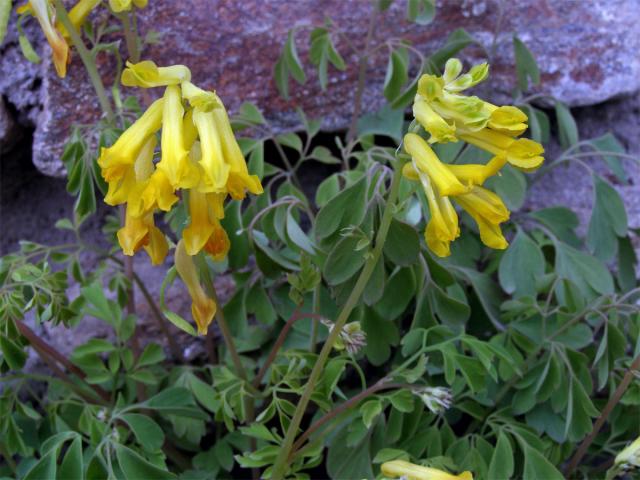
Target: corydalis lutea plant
pixel 199 158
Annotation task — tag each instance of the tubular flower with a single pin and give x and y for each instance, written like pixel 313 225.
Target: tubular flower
pixel 488 210
pixel 203 308
pixel 45 13
pixel 78 14
pixel 115 160
pixel 141 232
pixel 205 210
pixel 522 152
pixel 125 5
pixel 411 471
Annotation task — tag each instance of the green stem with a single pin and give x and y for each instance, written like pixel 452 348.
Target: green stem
pixel 130 37
pixel 315 320
pixel 279 468
pixel 87 59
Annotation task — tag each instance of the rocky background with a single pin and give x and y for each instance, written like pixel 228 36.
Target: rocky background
pixel 587 52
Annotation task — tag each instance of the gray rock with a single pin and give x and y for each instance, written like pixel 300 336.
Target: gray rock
pixel 587 52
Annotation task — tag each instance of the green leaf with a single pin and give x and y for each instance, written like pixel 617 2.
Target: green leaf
pixel 93 345
pixel 72 465
pixel 561 221
pixel 27 49
pixel 536 466
pixel 349 461
pixel 293 61
pixel 520 266
pixel 281 77
pixel 148 434
pixel 290 140
pixel 249 112
pixel 421 12
pixel 567 128
pixel 369 411
pixel 134 466
pixel 343 210
pixel 397 73
pixel 386 121
pixel 627 262
pixel 608 220
pixel 381 334
pixel 502 464
pixel 5 12
pixel 403 244
pixel 45 468
pixel 472 371
pixel 12 353
pixel 343 261
pixel 526 65
pixel 609 143
pixel 323 155
pixel 456 41
pixel 511 186
pixel 587 272
pixel 174 318
pixel 151 355
pixel 399 291
pixel 298 236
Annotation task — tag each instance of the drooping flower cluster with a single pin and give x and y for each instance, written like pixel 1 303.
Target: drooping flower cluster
pixel 411 471
pixel 448 116
pixel 199 158
pixel 436 399
pixel 55 33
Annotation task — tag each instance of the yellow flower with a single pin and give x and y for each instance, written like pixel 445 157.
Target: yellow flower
pixel 469 174
pixel 125 5
pixel 442 228
pixel 427 162
pixel 215 171
pixel 411 471
pixel 522 153
pixel 115 160
pixel 239 179
pixel 203 308
pixel 205 210
pixel 43 11
pixel 129 186
pixel 141 232
pixel 218 244
pixel 147 74
pixel 174 162
pixel 488 210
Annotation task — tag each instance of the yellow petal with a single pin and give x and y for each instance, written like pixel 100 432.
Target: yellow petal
pixel 174 162
pixel 215 171
pixel 525 154
pixel 507 119
pixel 411 471
pixel 147 74
pixel 203 308
pixel 487 139
pixel 135 233
pixel 427 162
pixel 59 47
pixel 200 228
pixel 125 151
pixel 120 5
pixel 157 247
pixel 218 244
pixel 430 87
pixel 489 211
pixel 474 174
pixel 140 3
pixel 464 110
pixel 433 123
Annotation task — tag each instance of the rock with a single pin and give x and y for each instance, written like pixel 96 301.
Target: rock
pixel 587 52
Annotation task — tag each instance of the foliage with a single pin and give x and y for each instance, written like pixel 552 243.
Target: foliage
pixel 495 362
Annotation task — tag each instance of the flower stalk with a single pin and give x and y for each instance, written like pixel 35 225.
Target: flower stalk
pixel 279 468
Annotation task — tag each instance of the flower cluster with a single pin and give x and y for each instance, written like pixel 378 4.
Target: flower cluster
pixel 199 158
pixel 448 116
pixel 352 338
pixel 411 471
